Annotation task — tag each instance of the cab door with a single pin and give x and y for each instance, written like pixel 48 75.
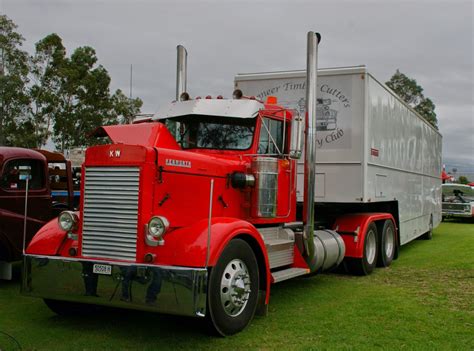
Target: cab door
pixel 12 203
pixel 273 140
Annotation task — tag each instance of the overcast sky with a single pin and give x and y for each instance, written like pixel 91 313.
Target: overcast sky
pixel 427 40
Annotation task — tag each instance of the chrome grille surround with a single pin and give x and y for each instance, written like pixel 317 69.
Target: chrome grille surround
pixel 110 212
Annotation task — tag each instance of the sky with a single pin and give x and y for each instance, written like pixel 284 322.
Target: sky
pixel 430 41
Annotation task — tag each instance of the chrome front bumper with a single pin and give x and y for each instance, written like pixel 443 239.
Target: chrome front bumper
pixel 447 213
pixel 164 289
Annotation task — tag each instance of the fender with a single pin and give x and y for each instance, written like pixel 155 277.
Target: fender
pixel 188 246
pixel 48 240
pixel 353 227
pixel 11 228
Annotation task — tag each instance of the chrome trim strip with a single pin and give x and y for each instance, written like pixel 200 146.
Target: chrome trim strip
pixel 164 289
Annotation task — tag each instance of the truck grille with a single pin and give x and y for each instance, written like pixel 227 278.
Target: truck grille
pixel 110 212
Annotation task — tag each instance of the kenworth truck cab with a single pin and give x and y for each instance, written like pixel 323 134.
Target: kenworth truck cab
pixel 194 213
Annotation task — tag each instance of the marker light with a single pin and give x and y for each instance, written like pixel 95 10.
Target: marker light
pixel 219 97
pixel 184 97
pixel 67 220
pixel 237 94
pixel 157 226
pixel 272 100
pixel 209 97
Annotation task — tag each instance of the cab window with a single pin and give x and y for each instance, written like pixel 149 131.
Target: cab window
pixel 14 176
pixel 271 137
pixel 210 132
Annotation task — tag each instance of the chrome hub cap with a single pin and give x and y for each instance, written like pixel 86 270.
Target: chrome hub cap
pixel 389 245
pixel 371 247
pixel 235 287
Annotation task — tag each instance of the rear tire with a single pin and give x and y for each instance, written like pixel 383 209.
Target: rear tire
pixel 233 289
pixel 366 264
pixel 387 244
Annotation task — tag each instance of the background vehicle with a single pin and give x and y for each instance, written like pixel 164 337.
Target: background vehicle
pixel 200 210
pixel 458 201
pixel 42 203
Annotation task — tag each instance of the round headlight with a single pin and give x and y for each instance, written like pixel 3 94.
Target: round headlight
pixel 157 226
pixel 67 220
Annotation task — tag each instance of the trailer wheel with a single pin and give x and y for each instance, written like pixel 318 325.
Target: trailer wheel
pixel 366 264
pixel 429 234
pixel 387 244
pixel 233 289
pixel 66 308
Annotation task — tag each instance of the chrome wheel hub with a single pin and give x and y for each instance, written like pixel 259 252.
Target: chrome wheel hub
pixel 389 242
pixel 371 247
pixel 235 287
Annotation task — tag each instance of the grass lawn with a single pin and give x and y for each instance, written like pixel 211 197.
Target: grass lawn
pixel 425 300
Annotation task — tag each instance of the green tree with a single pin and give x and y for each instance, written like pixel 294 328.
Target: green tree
pixel 52 95
pixel 45 75
pixel 125 108
pixel 410 92
pixel 463 180
pixel 13 80
pixel 84 101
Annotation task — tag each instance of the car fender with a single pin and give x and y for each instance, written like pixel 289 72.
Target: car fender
pixel 48 240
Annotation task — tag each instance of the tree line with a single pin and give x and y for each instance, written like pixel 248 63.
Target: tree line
pixel 50 95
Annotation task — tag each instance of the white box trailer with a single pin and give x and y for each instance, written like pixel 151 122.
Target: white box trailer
pixel 374 152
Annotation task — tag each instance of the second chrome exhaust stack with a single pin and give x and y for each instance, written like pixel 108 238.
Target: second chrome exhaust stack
pixel 181 71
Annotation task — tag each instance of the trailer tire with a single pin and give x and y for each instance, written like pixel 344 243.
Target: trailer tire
pixel 366 264
pixel 233 289
pixel 66 308
pixel 387 244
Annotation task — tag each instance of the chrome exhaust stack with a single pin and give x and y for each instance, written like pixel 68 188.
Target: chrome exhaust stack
pixel 324 249
pixel 181 71
pixel 310 146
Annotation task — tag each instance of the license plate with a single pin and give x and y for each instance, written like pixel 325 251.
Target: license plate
pixel 102 269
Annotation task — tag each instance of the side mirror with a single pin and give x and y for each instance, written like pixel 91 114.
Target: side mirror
pixel 296 142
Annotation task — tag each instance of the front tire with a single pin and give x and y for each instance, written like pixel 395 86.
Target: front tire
pixel 233 289
pixel 387 244
pixel 366 264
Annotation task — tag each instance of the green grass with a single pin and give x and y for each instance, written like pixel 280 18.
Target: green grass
pixel 424 301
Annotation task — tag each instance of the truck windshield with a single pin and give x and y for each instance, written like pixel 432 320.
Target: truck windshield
pixel 209 132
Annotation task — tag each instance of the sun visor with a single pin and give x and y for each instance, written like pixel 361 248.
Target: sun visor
pixel 211 107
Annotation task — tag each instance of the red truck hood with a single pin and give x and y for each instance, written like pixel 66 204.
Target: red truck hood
pixel 144 134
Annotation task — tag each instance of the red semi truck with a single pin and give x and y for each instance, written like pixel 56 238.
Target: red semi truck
pixel 196 213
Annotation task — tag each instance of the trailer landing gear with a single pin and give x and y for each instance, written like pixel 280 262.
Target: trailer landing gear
pixel 429 234
pixel 233 289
